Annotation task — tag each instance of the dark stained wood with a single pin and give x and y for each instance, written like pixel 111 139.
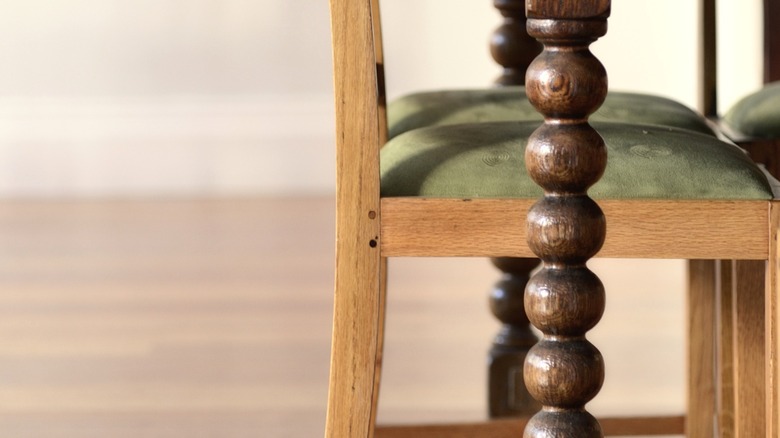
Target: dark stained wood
pixel 514 50
pixel 567 9
pixel 709 59
pixel 510 45
pixel 564 300
pixel 771 40
pixel 764 151
pixel 507 395
pixel 645 426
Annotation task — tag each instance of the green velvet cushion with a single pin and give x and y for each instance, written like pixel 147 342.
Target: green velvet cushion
pixel 757 115
pixel 645 161
pixel 511 104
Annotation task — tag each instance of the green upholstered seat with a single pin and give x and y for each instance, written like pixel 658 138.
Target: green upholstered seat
pixel 645 161
pixel 757 115
pixel 511 104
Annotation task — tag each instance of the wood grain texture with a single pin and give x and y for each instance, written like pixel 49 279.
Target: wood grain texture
pixel 379 56
pixel 637 228
pixel 565 228
pixel 749 355
pixel 380 343
pixel 646 426
pixel 725 348
pixel 772 315
pixel 357 306
pixel 701 348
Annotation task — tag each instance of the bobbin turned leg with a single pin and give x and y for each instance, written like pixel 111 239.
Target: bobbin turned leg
pixel 565 156
pixel 514 50
pixel 507 393
pixel 511 46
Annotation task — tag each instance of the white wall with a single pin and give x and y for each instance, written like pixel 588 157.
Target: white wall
pixel 193 97
pixel 647 48
pixel 164 97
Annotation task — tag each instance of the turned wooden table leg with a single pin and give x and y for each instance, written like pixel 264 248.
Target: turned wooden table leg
pixel 565 156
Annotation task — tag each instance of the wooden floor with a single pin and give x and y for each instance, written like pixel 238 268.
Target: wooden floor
pixel 212 319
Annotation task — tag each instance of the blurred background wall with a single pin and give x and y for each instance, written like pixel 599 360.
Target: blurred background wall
pixel 234 97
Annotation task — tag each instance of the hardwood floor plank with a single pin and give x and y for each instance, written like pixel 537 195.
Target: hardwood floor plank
pixel 198 318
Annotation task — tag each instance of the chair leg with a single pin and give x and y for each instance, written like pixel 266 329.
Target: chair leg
pixel 507 394
pixel 701 349
pixel 725 348
pixel 356 348
pixel 380 341
pixel 772 315
pixel 749 349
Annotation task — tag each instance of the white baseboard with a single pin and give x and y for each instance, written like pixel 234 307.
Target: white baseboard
pixel 177 146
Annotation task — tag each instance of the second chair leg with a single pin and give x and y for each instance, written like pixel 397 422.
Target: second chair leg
pixel 507 395
pixel 772 322
pixel 749 334
pixel 701 349
pixel 725 348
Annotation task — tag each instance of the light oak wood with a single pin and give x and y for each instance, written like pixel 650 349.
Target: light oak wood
pixel 637 228
pixel 355 352
pixel 650 426
pixel 772 315
pixel 379 55
pixel 725 348
pixel 701 348
pixel 380 337
pixel 749 335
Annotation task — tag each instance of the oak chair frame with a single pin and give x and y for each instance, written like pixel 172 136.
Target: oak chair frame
pixel 370 229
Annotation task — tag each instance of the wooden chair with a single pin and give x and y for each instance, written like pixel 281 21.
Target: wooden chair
pixel 564 229
pixel 753 123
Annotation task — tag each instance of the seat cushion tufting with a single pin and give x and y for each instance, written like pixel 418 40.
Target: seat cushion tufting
pixel 511 104
pixel 757 115
pixel 645 161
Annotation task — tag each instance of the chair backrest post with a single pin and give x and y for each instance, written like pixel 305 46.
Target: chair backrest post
pixel 708 73
pixel 358 260
pixel 771 40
